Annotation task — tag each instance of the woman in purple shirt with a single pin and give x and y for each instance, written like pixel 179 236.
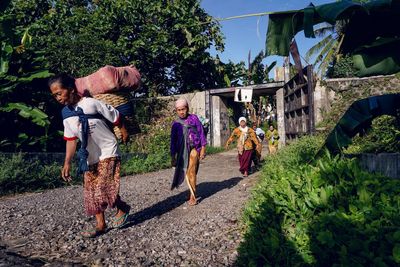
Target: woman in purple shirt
pixel 188 147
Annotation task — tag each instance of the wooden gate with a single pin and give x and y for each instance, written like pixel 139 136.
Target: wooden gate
pixel 299 104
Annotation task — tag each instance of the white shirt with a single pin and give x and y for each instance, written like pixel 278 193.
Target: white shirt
pixel 102 143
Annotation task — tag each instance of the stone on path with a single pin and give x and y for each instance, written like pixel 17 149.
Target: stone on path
pixel 42 229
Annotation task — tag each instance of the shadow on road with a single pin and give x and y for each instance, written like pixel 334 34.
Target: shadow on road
pixel 204 190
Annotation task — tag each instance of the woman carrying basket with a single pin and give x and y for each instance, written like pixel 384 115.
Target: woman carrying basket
pixel 84 119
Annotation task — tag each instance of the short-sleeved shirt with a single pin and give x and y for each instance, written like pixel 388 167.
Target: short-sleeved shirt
pixel 102 143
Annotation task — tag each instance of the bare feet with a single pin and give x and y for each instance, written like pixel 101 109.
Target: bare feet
pixel 192 201
pixel 245 174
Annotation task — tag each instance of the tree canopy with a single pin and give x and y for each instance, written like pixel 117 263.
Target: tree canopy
pixel 166 40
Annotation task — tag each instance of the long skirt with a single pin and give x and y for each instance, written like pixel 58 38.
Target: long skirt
pixel 101 186
pixel 245 161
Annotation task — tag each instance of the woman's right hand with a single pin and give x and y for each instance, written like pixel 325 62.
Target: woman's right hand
pixel 65 172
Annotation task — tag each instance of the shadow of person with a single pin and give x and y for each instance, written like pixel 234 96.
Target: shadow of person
pixel 204 190
pixel 264 242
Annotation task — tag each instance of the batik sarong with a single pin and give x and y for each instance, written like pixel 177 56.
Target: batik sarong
pixel 101 186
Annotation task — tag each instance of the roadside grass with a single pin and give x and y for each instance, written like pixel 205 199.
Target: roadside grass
pixel 326 211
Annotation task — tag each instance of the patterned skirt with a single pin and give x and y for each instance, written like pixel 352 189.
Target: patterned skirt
pixel 101 185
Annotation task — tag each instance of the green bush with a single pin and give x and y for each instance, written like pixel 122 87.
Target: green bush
pixel 342 68
pixel 214 150
pixel 23 175
pixel 384 136
pixel 324 212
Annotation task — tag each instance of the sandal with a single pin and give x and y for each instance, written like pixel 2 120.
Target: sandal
pixel 92 233
pixel 121 221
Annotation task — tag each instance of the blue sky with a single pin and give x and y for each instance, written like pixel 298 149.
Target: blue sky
pixel 244 34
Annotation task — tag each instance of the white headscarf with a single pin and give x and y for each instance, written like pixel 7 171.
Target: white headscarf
pixel 181 103
pixel 244 130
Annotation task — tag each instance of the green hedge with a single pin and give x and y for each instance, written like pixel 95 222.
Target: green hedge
pixel 18 174
pixel 23 174
pixel 325 212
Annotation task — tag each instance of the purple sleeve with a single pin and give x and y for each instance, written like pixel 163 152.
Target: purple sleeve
pixel 200 130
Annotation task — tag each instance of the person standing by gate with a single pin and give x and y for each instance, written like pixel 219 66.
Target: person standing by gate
pixel 246 139
pixel 188 147
pixel 256 158
pixel 273 139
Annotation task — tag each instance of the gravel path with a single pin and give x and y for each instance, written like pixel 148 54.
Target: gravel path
pixel 42 229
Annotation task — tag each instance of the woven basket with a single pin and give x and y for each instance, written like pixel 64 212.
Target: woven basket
pixel 116 99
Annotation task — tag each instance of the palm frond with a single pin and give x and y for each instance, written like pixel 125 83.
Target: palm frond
pixel 329 55
pixel 322 55
pixel 257 60
pixel 318 47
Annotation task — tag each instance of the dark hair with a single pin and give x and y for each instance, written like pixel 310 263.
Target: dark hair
pixel 65 80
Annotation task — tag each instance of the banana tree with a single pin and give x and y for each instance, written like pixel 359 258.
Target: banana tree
pixel 327 50
pixel 19 68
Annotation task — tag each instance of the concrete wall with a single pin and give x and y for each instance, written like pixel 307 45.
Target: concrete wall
pixel 220 122
pixel 323 98
pixel 197 103
pixel 347 90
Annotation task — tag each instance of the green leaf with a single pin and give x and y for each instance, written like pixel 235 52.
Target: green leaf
pixel 5 55
pixel 34 114
pixel 326 238
pixel 396 253
pixel 37 75
pixel 227 81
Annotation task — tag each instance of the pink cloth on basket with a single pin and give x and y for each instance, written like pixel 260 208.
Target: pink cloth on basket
pixel 109 79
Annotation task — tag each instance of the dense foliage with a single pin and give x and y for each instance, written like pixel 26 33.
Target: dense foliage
pixel 383 136
pixel 325 212
pixel 23 174
pixel 166 40
pixel 342 67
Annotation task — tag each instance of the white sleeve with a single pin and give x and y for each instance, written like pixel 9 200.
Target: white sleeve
pixel 68 133
pixel 108 112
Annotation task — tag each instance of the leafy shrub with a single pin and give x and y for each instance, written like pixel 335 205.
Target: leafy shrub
pixel 384 136
pixel 325 213
pixel 21 175
pixel 342 68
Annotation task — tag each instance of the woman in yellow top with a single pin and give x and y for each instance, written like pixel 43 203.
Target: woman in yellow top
pixel 272 137
pixel 247 140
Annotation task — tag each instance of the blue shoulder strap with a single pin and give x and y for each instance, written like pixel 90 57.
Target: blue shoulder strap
pixel 83 154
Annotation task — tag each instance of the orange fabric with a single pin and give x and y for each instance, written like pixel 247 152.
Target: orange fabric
pixel 249 142
pixel 272 149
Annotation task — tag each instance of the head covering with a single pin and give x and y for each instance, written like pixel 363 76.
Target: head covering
pixel 181 102
pixel 242 119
